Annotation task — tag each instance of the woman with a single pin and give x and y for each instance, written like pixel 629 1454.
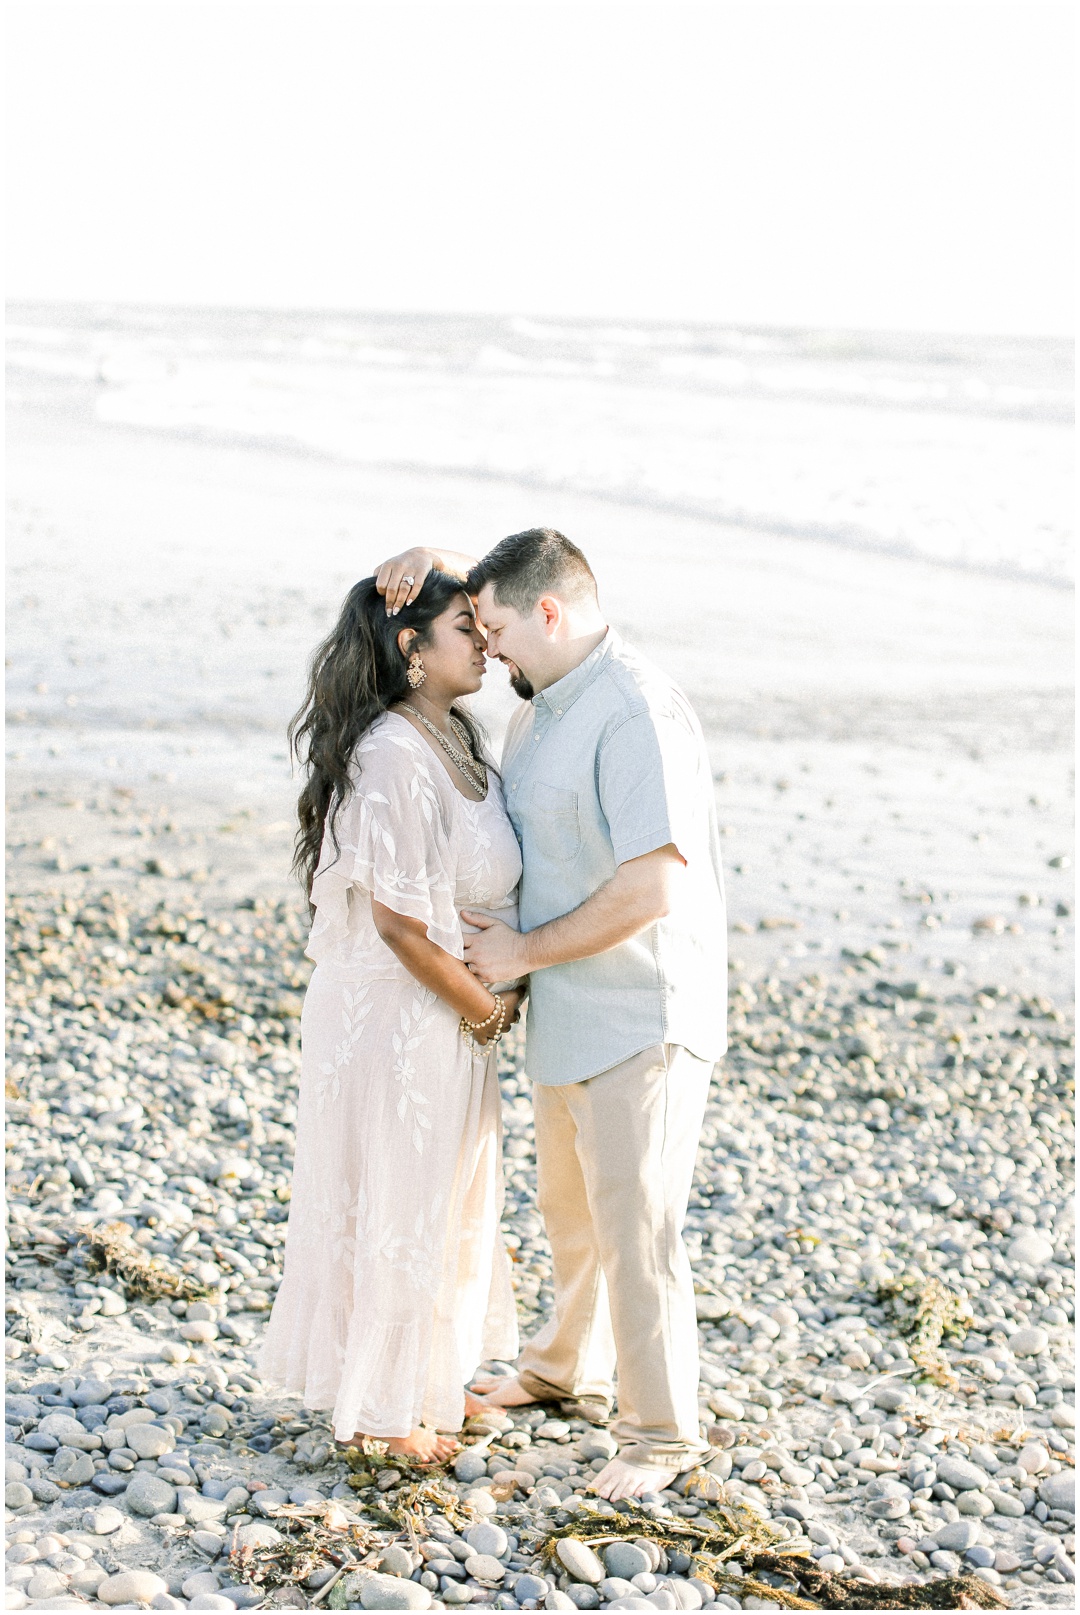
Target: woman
pixel 396 1282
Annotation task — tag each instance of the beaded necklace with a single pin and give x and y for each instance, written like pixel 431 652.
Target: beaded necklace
pixel 474 771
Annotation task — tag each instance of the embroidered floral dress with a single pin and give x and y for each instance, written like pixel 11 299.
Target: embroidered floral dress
pixel 396 1281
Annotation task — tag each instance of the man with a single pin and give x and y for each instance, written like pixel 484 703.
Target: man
pixel 623 937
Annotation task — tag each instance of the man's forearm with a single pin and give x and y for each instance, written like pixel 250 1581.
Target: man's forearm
pixel 640 892
pixel 610 916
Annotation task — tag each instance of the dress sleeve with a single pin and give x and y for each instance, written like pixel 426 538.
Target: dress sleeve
pixel 392 842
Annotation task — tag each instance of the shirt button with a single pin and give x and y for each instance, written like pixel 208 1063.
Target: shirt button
pixel 558 712
pixel 513 787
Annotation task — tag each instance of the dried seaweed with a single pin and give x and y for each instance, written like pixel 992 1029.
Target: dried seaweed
pixel 853 1592
pixel 721 1527
pixel 721 1532
pixel 111 1249
pixel 419 1497
pixel 319 1534
pixel 925 1311
pixel 725 1531
pixel 418 1489
pixel 313 1535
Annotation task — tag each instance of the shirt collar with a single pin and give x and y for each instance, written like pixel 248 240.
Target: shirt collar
pixel 560 696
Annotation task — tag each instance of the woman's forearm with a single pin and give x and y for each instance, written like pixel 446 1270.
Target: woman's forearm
pixel 432 966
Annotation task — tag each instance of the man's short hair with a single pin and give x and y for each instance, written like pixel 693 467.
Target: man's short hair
pixel 527 565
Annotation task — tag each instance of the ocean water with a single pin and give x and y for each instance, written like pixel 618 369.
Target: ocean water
pixel 191 494
pixel 954 449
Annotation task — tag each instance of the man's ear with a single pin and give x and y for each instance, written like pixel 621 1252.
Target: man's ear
pixel 406 639
pixel 551 610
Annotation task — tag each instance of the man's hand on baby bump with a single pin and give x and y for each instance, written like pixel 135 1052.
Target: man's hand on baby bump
pixel 494 952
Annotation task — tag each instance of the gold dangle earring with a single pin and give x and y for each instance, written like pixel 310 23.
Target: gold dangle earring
pixel 415 671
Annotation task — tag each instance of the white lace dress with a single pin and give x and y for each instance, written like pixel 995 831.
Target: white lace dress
pixel 396 1281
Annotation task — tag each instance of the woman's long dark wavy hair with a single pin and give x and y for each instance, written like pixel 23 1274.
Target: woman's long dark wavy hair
pixel 356 673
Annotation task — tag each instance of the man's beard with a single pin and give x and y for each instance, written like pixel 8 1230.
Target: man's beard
pixel 521 686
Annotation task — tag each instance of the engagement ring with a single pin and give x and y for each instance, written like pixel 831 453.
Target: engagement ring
pixel 409 581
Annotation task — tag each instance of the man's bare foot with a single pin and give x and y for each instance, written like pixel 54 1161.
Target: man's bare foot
pixel 474 1405
pixel 506 1391
pixel 619 1479
pixel 422 1446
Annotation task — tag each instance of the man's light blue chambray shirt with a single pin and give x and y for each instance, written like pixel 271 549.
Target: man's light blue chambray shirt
pixel 606 765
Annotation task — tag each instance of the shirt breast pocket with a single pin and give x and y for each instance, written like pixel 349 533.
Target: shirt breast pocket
pixel 554 827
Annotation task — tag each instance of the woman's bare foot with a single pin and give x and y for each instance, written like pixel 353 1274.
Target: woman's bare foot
pixel 422 1446
pixel 619 1479
pixel 506 1391
pixel 474 1405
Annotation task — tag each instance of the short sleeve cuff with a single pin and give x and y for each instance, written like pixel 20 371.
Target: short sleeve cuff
pixel 649 841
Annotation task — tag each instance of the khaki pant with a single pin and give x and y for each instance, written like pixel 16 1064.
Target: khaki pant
pixel 615 1162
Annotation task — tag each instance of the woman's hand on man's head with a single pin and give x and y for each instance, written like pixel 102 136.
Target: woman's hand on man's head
pixel 401 578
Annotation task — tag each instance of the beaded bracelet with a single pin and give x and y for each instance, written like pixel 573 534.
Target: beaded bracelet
pixel 467 1028
pixel 478 1026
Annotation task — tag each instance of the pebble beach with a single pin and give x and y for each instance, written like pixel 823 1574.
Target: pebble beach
pixel 881 1222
